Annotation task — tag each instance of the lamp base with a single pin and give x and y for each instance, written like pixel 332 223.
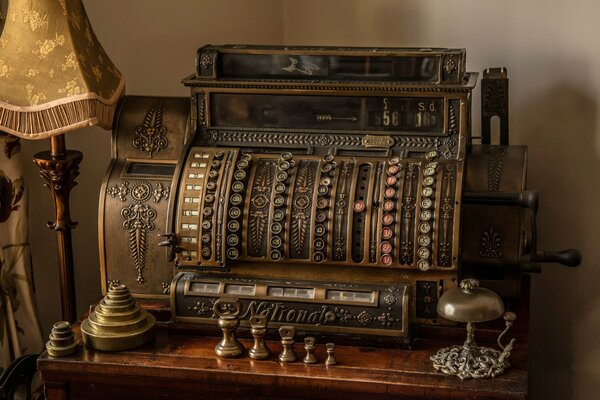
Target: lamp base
pixel 59 169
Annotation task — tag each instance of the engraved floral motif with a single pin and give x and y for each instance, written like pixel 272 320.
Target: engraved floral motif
pixel 491 244
pixel 205 61
pixel 166 287
pixel 386 319
pixel 344 316
pixel 120 190
pixel 389 299
pixel 138 221
pixel 364 318
pixel 150 136
pixel 138 218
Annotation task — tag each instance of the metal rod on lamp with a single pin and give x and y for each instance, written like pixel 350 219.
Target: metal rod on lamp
pixel 59 168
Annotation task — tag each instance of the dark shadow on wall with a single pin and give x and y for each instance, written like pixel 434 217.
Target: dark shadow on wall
pixel 558 126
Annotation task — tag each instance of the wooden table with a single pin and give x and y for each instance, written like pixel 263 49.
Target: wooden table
pixel 177 366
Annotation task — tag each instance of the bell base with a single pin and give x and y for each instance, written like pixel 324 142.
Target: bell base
pixel 470 361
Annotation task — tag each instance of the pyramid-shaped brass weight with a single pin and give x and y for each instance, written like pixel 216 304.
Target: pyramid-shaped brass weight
pixel 117 323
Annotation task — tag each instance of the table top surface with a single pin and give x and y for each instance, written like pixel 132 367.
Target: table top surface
pixel 183 360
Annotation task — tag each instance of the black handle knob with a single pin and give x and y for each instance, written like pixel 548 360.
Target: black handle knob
pixel 569 258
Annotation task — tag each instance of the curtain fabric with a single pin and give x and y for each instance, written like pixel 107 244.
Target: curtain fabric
pixel 20 331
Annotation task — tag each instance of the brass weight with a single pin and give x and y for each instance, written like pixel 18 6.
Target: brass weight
pixel 228 310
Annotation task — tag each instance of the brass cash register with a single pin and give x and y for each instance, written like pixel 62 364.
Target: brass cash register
pixel 338 190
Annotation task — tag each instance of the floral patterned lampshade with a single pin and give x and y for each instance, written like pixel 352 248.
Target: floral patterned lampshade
pixel 54 74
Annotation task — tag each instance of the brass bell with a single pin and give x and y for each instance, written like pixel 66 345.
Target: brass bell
pixel 470 303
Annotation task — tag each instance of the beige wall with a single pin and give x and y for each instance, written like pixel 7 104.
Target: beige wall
pixel 550 50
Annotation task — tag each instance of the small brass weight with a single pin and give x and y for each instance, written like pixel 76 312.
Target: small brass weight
pixel 228 310
pixel 259 350
pixel 287 341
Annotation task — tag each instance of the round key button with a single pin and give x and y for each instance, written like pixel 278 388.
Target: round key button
pixel 394 160
pixel 359 206
pixel 323 190
pixel 425 215
pixel 387 219
pixel 246 157
pixel 387 233
pixel 423 252
pixel 429 171
pixel 206 252
pixel 286 156
pixel 391 180
pixel 319 230
pixel 207 211
pixel 211 186
pixel 206 224
pixel 393 170
pixel 389 193
pixel 213 174
pixel 209 198
pixel 279 187
pixel 386 259
pixel 424 240
pixel 275 255
pixel 423 265
pixel 386 247
pixel 284 165
pixel 427 191
pixel 322 203
pixel 236 199
pixel 432 164
pixel 276 242
pixel 278 200
pixel 318 256
pixel 319 244
pixel 428 181
pixel 278 215
pixel 321 217
pixel 206 238
pixel 233 226
pixel 388 205
pixel 233 253
pixel 276 228
pixel 237 187
pixel 431 154
pixel 219 155
pixel 426 203
pixel 325 181
pixel 234 212
pixel 239 175
pixel 281 176
pixel 328 158
pixel 242 164
pixel 233 240
pixel 424 227
pixel 326 168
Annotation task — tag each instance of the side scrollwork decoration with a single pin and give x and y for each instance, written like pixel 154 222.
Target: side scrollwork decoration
pixel 150 135
pixel 138 217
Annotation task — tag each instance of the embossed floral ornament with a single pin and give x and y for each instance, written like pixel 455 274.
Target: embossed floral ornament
pixel 10 195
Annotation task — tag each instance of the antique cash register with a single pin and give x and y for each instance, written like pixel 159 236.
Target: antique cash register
pixel 338 190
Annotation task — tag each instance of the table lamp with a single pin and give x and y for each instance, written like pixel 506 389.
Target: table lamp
pixel 54 78
pixel 470 303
